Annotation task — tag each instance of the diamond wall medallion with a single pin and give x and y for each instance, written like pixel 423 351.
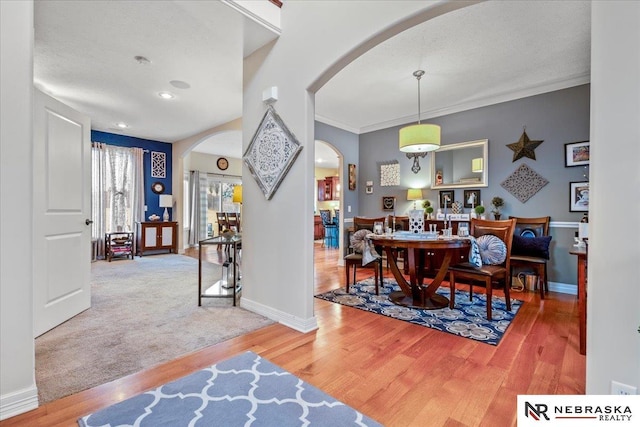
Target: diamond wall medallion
pixel 524 183
pixel 271 153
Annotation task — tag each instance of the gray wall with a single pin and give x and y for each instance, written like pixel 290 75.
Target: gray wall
pixel 347 144
pixel 557 118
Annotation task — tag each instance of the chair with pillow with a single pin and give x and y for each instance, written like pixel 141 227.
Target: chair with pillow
pixel 491 264
pixel 531 247
pixel 361 227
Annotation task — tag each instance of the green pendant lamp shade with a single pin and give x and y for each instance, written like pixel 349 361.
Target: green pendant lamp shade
pixel 419 138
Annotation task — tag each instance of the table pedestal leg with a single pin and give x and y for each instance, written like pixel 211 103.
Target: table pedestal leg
pixel 414 294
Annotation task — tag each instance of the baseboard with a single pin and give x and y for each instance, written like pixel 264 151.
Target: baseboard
pixel 293 322
pixel 563 288
pixel 18 402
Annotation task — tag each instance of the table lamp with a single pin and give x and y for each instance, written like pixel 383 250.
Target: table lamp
pixel 166 201
pixel 414 194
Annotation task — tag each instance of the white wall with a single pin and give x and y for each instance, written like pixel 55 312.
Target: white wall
pixel 18 391
pixel 278 234
pixel 207 163
pixel 613 311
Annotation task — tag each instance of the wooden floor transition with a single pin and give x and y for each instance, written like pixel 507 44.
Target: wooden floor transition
pixel 395 372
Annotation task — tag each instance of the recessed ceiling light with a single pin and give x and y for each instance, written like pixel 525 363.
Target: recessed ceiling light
pixel 122 125
pixel 166 95
pixel 180 84
pixel 141 60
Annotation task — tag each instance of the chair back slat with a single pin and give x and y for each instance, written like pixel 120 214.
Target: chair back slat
pixel 361 222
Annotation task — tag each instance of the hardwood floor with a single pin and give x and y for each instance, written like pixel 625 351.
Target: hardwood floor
pixel 395 372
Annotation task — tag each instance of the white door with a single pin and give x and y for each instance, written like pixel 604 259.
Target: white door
pixel 61 213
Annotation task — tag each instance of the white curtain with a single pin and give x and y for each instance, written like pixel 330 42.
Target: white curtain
pixel 198 211
pixel 98 184
pixel 137 200
pixel 118 190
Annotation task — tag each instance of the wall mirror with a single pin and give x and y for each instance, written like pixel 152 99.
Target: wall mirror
pixel 463 165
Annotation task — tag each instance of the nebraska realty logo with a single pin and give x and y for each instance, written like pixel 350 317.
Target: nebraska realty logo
pixel 573 410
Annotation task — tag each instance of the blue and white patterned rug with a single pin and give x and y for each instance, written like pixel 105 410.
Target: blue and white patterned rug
pixel 467 319
pixel 245 390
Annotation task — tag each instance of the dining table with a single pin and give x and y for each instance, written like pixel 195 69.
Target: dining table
pixel 415 293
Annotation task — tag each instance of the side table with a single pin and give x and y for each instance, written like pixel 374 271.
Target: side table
pixel 118 244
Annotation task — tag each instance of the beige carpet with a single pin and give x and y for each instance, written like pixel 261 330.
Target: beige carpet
pixel 144 312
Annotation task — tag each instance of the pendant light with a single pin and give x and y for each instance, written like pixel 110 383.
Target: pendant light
pixel 419 138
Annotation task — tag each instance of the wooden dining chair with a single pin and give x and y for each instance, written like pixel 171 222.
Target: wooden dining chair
pixel 233 221
pixel 354 259
pixel 494 267
pixel 530 247
pixel 221 219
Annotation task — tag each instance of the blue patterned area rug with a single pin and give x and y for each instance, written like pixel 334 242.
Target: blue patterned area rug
pixel 467 319
pixel 245 390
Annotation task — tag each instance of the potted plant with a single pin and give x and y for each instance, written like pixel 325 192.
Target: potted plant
pixel 497 203
pixel 479 211
pixel 429 211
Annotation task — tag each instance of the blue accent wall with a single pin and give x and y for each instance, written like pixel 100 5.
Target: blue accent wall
pixel 151 199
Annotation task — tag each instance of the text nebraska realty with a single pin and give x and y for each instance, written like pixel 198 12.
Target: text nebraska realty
pixel 601 413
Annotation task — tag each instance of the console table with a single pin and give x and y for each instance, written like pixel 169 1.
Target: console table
pixel 581 253
pixel 229 286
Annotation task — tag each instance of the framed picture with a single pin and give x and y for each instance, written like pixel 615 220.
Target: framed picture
pixel 579 196
pixel 352 176
pixel 388 203
pixel 471 198
pixel 369 187
pixel 576 154
pixel 446 196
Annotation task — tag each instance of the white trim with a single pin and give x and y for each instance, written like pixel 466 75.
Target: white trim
pixel 293 322
pixel 18 402
pixel 272 23
pixel 563 224
pixel 563 288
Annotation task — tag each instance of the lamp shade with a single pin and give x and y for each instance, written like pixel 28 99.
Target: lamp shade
pixel 476 165
pixel 419 138
pixel 166 200
pixel 237 194
pixel 414 194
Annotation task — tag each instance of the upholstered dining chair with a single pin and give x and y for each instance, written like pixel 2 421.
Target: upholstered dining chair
pixel 531 247
pixel 494 240
pixel 354 259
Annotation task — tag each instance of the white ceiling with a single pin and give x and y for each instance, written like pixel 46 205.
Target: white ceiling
pixel 479 55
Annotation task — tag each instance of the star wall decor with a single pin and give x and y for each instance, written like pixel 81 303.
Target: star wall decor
pixel 524 147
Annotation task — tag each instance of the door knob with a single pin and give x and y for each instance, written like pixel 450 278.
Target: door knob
pixel 88 221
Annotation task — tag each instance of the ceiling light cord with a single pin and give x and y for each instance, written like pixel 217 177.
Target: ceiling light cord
pixel 418 75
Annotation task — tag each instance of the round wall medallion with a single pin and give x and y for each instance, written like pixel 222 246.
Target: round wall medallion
pixel 222 163
pixel 157 187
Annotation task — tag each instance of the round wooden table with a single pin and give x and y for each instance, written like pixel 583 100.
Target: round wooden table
pixel 414 293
